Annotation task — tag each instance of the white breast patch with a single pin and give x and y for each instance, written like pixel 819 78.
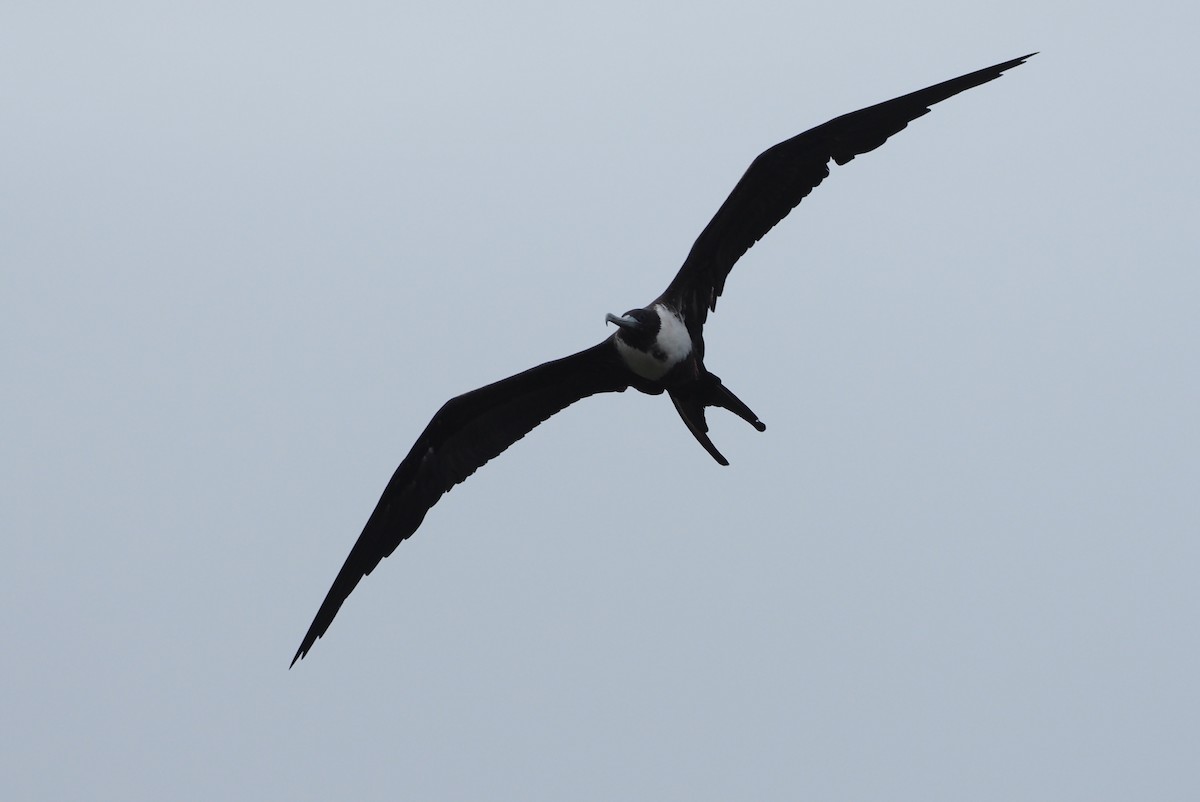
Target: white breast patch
pixel 672 346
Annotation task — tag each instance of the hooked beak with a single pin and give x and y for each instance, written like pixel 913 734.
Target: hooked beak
pixel 625 321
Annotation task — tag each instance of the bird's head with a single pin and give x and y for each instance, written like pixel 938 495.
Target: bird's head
pixel 637 328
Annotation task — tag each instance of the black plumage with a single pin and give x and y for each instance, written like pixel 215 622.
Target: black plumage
pixel 656 349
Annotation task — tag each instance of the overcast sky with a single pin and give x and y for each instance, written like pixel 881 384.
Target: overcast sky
pixel 247 249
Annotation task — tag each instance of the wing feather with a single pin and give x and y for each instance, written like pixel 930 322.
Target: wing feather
pixel 784 175
pixel 466 433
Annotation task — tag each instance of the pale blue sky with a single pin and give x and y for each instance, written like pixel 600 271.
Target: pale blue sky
pixel 248 249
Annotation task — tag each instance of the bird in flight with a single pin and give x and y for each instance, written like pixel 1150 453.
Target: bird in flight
pixel 655 349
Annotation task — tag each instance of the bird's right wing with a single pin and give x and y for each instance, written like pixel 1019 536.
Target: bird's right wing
pixel 783 175
pixel 464 434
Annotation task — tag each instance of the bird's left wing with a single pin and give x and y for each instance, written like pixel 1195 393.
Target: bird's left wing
pixel 464 434
pixel 784 175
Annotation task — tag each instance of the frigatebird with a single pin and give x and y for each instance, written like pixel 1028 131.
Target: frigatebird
pixel 655 349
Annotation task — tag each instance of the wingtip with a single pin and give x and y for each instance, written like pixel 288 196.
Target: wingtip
pixel 301 653
pixel 996 70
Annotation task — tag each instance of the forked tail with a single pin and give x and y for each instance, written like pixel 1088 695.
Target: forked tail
pixel 708 391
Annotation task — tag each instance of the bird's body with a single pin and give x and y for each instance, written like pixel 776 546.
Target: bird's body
pixel 655 349
pixel 670 349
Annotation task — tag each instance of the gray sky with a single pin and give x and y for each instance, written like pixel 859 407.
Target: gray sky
pixel 247 250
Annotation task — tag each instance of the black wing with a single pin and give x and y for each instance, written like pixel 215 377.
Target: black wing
pixel 464 434
pixel 782 176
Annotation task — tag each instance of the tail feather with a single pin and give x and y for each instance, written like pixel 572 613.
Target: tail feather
pixel 708 391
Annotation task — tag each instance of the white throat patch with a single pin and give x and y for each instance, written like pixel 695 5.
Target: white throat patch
pixel 672 346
